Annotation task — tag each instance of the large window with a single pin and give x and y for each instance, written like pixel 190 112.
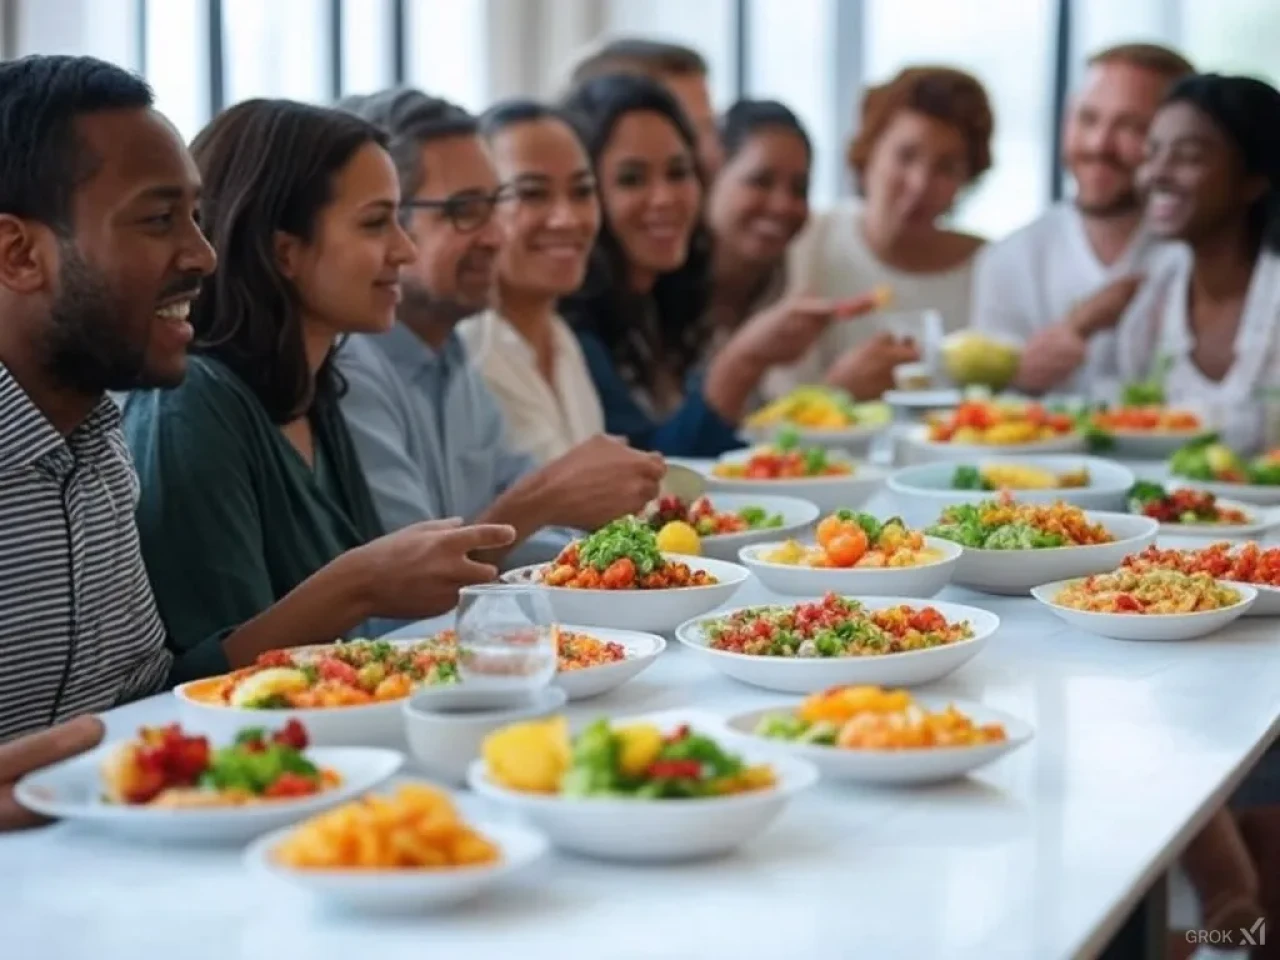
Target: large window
pixel 447 50
pixel 368 46
pixel 177 61
pixel 276 49
pixel 709 26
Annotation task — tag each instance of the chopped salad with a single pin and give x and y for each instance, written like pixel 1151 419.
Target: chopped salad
pixel 623 555
pixel 634 761
pixel 165 767
pixel 988 422
pixel 705 519
pixel 1003 524
pixel 832 627
pixel 785 459
pixel 820 408
pixel 872 718
pixel 1016 476
pixel 1207 460
pixel 1146 419
pixel 1153 591
pixel 1247 563
pixel 849 538
pixel 1189 507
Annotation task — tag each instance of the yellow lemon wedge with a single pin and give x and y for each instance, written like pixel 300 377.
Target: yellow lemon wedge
pixel 678 537
pixel 530 757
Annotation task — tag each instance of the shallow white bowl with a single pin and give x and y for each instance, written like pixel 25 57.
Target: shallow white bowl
pixel 657 830
pixel 1268 602
pixel 398 891
pixel 809 674
pixel 921 492
pixel 918 448
pixel 377 724
pixel 825 493
pixel 651 611
pixel 855 440
pixel 1261 520
pixel 1151 444
pixel 897 767
pixel 445 726
pixel 938 398
pixel 1015 572
pixel 1253 493
pixel 642 650
pixel 797 516
pixel 800 581
pixel 1147 626
pixel 72 790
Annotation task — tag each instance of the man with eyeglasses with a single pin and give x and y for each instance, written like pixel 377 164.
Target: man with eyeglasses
pixel 430 434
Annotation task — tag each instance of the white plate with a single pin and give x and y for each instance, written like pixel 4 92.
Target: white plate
pixel 396 891
pixel 921 492
pixel 938 399
pixel 1257 494
pixel 1151 444
pixel 642 650
pixel 808 674
pixel 900 767
pixel 918 448
pixel 1015 572
pixel 826 493
pixel 797 516
pixel 801 581
pixel 855 440
pixel 72 790
pixel 651 611
pixel 1147 626
pixel 1268 602
pixel 658 830
pixel 1262 520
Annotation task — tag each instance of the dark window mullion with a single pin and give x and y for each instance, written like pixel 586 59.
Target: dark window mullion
pixel 741 43
pixel 335 49
pixel 399 43
pixel 1062 55
pixel 217 64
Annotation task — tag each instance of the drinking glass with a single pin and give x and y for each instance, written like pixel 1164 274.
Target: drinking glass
pixel 506 637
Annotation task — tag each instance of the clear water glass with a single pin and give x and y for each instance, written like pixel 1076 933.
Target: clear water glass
pixel 506 637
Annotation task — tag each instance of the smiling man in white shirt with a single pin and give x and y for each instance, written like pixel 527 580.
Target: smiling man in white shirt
pixel 1061 283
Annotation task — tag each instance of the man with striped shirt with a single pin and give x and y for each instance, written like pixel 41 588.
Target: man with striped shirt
pixel 100 258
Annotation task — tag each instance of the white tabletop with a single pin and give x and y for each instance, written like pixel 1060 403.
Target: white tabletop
pixel 1040 855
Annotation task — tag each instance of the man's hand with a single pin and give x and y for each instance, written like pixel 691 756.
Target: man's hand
pixel 866 371
pixel 1103 309
pixel 597 481
pixel 1050 358
pixel 35 751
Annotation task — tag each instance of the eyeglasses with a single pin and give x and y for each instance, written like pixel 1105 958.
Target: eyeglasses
pixel 468 211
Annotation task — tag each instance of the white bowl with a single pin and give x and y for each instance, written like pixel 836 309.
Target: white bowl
pixel 642 650
pixel 651 611
pixel 1151 444
pixel 801 581
pixel 657 830
pixel 825 493
pixel 1147 626
pixel 446 726
pixel 72 790
pixel 1268 602
pixel 1261 495
pixel 921 492
pixel 918 448
pixel 855 440
pixel 1261 520
pixel 809 674
pixel 938 398
pixel 897 767
pixel 397 891
pixel 797 516
pixel 1015 572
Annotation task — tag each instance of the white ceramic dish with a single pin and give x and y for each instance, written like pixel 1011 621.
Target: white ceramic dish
pixel 800 581
pixel 896 767
pixel 809 674
pixel 918 448
pixel 1257 494
pixel 72 790
pixel 921 492
pixel 1261 520
pixel 658 830
pixel 650 611
pixel 855 440
pixel 1138 626
pixel 1268 602
pixel 642 650
pixel 1151 444
pixel 797 517
pixel 446 726
pixel 934 399
pixel 1015 572
pixel 399 891
pixel 826 493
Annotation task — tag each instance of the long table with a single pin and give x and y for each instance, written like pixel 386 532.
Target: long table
pixel 1043 855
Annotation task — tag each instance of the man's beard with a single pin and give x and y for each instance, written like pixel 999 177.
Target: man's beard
pixel 86 349
pixel 418 303
pixel 1122 205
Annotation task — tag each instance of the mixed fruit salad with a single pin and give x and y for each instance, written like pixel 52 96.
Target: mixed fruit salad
pixel 1016 476
pixel 1188 507
pixel 1151 591
pixel 1146 419
pixel 784 459
pixel 849 538
pixel 872 718
pixel 624 555
pixel 165 767
pixel 832 627
pixel 705 519
pixel 1207 460
pixel 636 761
pixel 1247 563
pixel 992 423
pixel 820 408
pixel 1003 524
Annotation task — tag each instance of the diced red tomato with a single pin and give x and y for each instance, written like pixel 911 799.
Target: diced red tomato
pixel 292 785
pixel 331 669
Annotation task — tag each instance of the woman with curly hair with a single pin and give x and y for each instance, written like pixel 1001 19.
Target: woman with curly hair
pixel 923 137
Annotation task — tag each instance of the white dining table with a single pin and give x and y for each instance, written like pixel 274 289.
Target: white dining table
pixel 1045 854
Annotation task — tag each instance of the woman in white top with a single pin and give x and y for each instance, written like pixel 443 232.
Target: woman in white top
pixel 1208 322
pixel 923 137
pixel 526 353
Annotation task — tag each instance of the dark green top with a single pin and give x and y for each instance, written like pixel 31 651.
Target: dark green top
pixel 231 517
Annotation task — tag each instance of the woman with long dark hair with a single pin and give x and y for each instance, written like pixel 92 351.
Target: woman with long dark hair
pixel 256 522
pixel 639 315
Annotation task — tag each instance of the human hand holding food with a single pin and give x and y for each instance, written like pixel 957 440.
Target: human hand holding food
pixel 36 751
pixel 1050 357
pixel 599 480
pixel 866 371
pixel 1103 309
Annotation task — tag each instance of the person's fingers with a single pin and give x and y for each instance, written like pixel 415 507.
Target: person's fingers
pixel 14 816
pixel 858 306
pixel 652 468
pixel 444 523
pixel 905 352
pixel 482 536
pixel 60 742
pixel 468 571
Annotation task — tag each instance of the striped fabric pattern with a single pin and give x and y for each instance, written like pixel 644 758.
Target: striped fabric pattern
pixel 79 631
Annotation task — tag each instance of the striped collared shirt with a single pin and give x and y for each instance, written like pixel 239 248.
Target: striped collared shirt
pixel 79 631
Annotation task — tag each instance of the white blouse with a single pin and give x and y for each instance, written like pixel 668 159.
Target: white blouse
pixel 542 421
pixel 1156 330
